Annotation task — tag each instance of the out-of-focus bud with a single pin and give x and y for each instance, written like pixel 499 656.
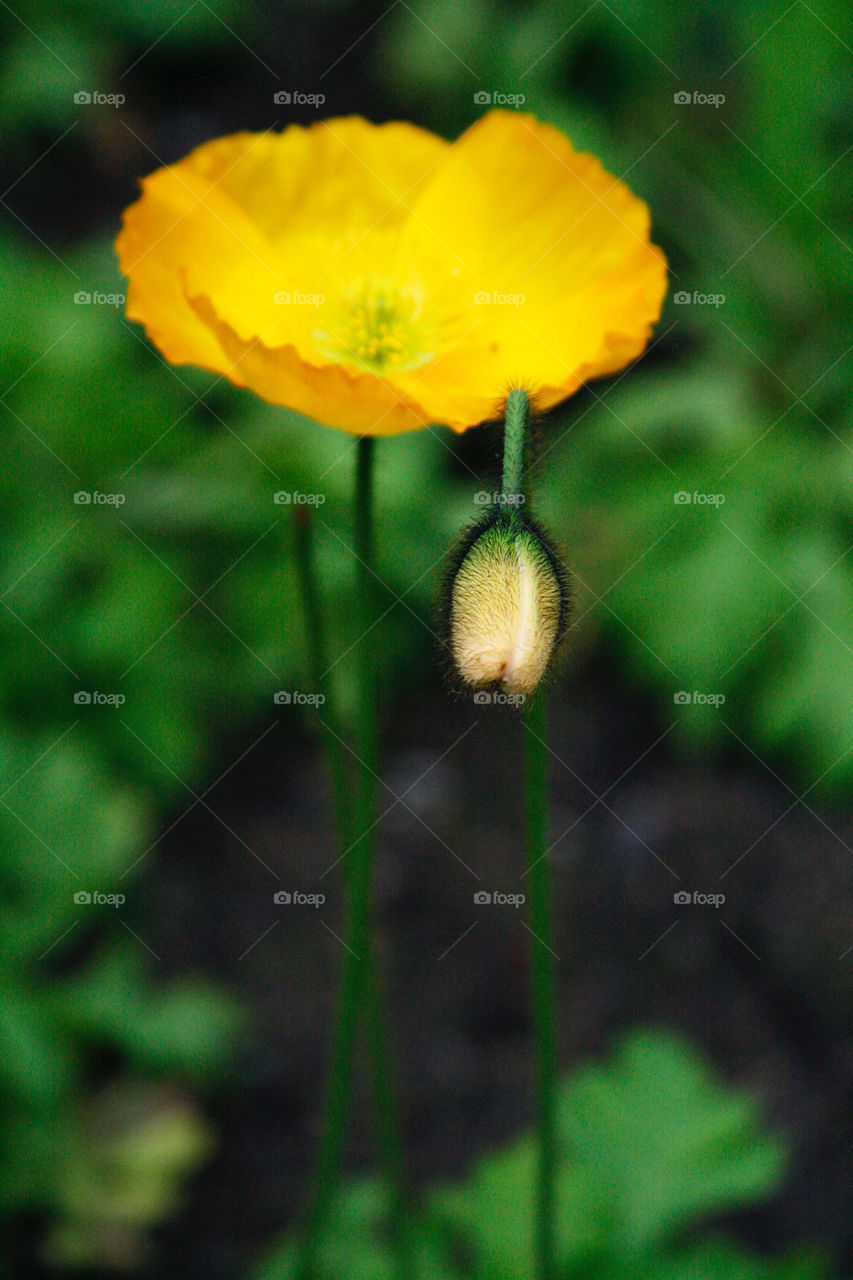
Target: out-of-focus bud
pixel 508 605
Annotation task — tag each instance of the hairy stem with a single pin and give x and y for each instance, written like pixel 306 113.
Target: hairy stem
pixel 517 413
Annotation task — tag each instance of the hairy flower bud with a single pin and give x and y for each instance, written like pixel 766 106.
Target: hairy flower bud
pixel 508 605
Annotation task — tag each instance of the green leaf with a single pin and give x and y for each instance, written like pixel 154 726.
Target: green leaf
pixel 666 1144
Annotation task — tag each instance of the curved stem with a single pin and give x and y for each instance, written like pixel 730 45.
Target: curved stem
pixel 543 980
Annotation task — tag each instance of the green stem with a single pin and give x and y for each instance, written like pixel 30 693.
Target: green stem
pixel 359 981
pixel 542 969
pixel 388 1126
pixel 543 980
pixel 318 666
pixel 517 413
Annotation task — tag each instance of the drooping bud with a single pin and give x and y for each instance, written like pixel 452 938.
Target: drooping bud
pixel 508 605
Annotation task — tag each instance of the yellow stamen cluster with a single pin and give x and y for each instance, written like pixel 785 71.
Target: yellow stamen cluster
pixel 378 326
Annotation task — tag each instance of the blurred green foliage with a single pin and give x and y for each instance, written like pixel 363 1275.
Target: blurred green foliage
pixel 66 45
pixel 751 598
pixel 183 599
pixel 651 1149
pixel 129 1155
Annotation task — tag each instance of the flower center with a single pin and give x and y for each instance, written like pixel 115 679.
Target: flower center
pixel 379 326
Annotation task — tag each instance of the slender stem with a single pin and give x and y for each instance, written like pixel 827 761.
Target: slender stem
pixel 388 1125
pixel 542 968
pixel 389 1128
pixel 359 980
pixel 318 665
pixel 543 980
pixel 517 412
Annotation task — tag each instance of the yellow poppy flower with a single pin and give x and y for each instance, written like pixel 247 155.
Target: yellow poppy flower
pixel 379 279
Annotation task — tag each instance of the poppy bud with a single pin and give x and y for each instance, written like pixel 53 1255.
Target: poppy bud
pixel 508 605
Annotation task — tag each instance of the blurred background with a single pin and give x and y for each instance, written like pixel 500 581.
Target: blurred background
pixel 165 1023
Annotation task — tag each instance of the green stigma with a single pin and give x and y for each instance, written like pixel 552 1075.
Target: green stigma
pixel 378 326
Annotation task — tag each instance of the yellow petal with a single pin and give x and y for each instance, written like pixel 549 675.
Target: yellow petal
pixel 252 215
pixel 332 393
pixel 558 247
pixel 379 279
